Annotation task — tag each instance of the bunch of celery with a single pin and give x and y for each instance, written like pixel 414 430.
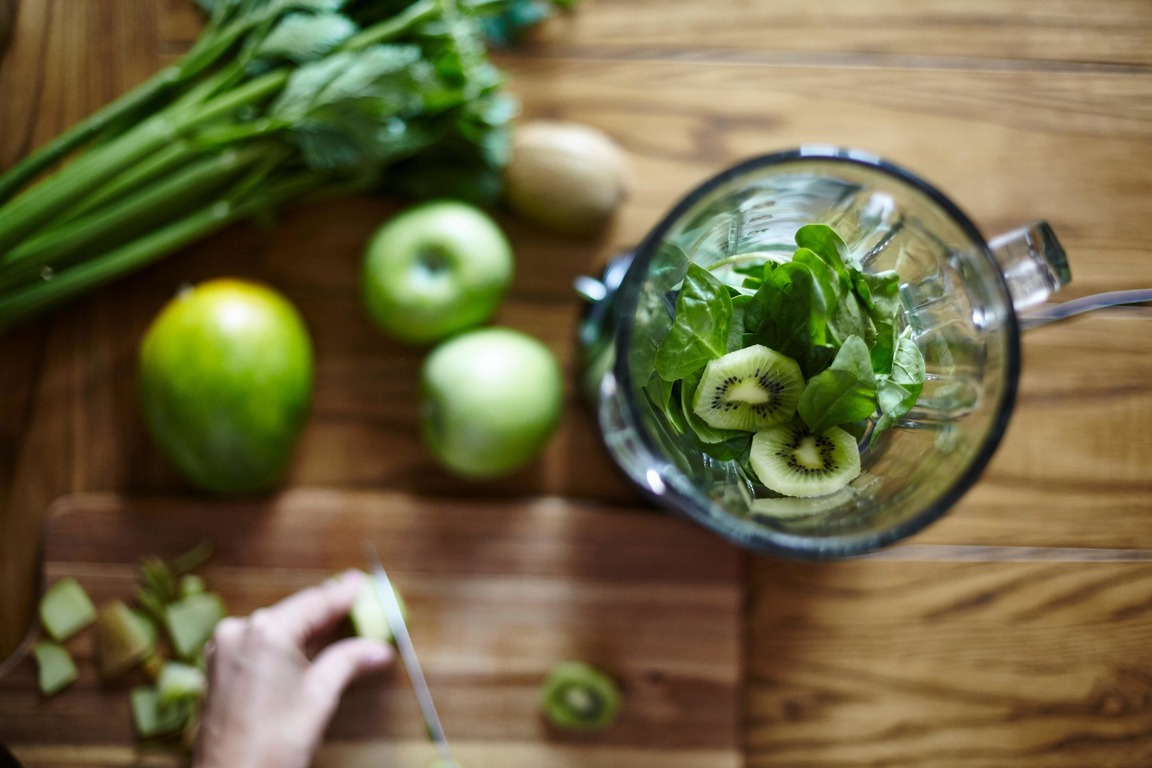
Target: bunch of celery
pixel 278 101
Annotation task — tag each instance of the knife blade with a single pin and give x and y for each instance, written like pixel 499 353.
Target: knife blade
pixel 395 617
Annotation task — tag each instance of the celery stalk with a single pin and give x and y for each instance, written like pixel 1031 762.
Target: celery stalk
pixel 265 110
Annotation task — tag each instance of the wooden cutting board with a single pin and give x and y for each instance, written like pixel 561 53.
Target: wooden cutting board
pixel 498 592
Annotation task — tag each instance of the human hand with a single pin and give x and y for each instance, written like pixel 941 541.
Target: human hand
pixel 268 703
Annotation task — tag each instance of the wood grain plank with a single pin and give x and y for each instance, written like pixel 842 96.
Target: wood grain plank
pixel 947 664
pixel 496 592
pixel 19 533
pixel 1119 31
pixel 323 530
pixel 1075 467
pixel 68 59
pixel 7 23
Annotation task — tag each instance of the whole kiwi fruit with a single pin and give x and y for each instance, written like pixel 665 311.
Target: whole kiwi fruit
pixel 565 177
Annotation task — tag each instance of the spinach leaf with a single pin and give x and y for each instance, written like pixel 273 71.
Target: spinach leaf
pixel 846 391
pixel 755 269
pixel 659 391
pixel 845 316
pixel 827 281
pixel 787 314
pixel 824 242
pixel 656 306
pixel 755 272
pixel 895 400
pixel 736 329
pixel 672 408
pixel 848 318
pixel 897 393
pixel 857 428
pixel 879 292
pixel 883 349
pixel 908 363
pixel 700 330
pixel 729 450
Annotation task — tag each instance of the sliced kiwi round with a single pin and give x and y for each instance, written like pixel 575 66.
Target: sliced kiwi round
pixel 578 696
pixel 791 460
pixel 749 389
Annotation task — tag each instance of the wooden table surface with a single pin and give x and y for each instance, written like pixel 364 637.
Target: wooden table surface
pixel 1016 632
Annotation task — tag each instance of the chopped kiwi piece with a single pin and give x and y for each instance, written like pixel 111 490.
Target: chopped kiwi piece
pixel 191 621
pixel 792 461
pixel 124 638
pixel 152 720
pixel 179 683
pixel 157 580
pixel 367 614
pixel 65 609
pixel 55 666
pixel 749 389
pixel 162 583
pixel 191 584
pixel 578 696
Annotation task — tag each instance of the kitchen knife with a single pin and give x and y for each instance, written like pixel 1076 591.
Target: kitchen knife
pixel 395 617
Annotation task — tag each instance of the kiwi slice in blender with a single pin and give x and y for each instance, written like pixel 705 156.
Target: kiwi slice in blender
pixel 749 389
pixel 793 461
pixel 578 696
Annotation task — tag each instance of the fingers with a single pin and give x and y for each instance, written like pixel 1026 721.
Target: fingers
pixel 338 665
pixel 312 611
pixel 228 634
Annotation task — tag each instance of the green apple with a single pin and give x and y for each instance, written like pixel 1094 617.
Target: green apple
pixel 491 400
pixel 434 270
pixel 226 374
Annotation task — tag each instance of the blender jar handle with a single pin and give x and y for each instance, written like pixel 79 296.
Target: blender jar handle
pixel 1035 267
pixel 1033 263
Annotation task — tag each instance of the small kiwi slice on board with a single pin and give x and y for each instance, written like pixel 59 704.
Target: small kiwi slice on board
pixel 749 389
pixel 791 460
pixel 124 638
pixel 578 696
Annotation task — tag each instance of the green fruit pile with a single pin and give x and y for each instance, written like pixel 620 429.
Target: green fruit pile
pixel 491 398
pixel 226 368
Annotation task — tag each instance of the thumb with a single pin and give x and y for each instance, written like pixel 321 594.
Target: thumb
pixel 338 665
